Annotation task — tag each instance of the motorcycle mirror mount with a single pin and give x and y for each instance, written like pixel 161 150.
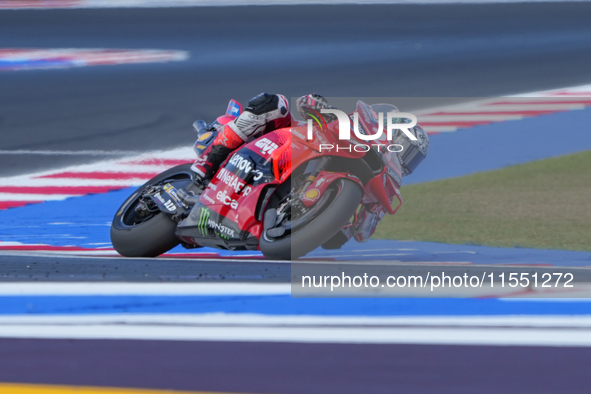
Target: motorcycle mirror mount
pixel 199 126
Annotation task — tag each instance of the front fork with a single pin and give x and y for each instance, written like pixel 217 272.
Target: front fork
pixel 272 216
pixel 313 168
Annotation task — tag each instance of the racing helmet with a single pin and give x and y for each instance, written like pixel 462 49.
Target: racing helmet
pixel 309 106
pixel 413 152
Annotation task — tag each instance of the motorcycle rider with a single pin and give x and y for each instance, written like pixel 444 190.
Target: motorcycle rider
pixel 267 112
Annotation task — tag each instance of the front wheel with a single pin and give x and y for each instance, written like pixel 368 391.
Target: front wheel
pixel 147 234
pixel 316 226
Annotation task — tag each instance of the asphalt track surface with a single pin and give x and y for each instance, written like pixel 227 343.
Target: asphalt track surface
pixel 340 51
pixel 42 268
pixel 398 50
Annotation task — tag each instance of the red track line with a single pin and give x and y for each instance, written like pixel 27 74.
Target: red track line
pixel 71 190
pixel 541 102
pixel 206 255
pixel 14 204
pixel 525 113
pixel 48 248
pixel 102 175
pixel 158 162
pixel 457 124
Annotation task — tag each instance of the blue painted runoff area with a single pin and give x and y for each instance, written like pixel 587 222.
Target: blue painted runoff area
pixel 85 222
pixel 282 305
pixel 74 222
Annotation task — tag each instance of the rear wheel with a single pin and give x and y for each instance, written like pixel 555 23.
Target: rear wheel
pixel 308 228
pixel 144 232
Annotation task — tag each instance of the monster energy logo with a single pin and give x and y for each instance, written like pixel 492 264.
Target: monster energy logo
pixel 203 221
pixel 221 230
pixel 222 236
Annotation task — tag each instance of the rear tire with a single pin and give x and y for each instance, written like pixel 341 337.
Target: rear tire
pixel 319 230
pixel 154 236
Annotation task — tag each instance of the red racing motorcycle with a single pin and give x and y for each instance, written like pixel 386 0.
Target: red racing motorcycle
pixel 281 194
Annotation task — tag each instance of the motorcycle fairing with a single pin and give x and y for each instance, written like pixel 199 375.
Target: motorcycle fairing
pixel 206 227
pixel 225 213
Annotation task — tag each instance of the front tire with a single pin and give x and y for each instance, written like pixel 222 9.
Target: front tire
pixel 153 236
pixel 320 229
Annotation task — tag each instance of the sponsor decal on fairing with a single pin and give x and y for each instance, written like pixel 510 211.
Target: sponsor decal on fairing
pixel 225 199
pixel 267 146
pixel 167 203
pixel 241 163
pixel 234 181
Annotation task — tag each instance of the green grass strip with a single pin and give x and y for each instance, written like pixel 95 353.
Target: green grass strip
pixel 543 204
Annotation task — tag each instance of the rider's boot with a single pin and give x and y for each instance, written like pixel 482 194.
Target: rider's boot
pixel 367 221
pixel 265 112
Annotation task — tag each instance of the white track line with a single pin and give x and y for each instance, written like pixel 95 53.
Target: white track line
pixel 251 319
pixel 48 182
pixel 19 197
pixel 12 59
pixel 136 169
pixel 562 337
